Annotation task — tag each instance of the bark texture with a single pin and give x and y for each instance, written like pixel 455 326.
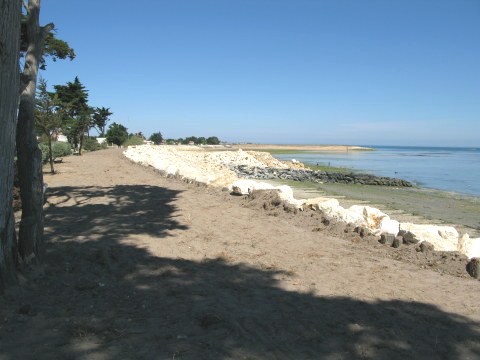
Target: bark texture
pixel 29 156
pixel 10 11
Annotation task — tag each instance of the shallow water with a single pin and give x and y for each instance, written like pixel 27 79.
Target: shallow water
pixel 442 168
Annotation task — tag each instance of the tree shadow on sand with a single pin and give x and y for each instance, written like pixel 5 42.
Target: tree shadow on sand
pixel 101 298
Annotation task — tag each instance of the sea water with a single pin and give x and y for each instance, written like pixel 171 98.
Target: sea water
pixel 443 168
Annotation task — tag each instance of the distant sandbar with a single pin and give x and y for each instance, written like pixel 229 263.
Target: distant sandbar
pixel 337 148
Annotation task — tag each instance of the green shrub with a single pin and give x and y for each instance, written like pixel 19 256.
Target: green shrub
pixel 91 144
pixel 133 140
pixel 59 149
pixel 44 149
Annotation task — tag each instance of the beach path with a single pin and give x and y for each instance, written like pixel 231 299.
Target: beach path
pixel 139 266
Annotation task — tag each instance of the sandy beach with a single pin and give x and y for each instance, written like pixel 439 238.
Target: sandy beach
pixel 142 266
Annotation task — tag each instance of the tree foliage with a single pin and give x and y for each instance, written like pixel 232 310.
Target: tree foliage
pixel 100 119
pixel 117 134
pixel 53 47
pixel 213 140
pixel 73 100
pixel 73 97
pixel 133 139
pixel 157 138
pixel 48 117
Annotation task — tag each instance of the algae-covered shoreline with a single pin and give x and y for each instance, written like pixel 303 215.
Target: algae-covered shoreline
pixel 418 204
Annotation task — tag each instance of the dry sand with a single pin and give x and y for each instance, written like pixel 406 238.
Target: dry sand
pixel 144 267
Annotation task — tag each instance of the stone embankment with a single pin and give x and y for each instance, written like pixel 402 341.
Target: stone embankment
pixel 268 173
pixel 229 169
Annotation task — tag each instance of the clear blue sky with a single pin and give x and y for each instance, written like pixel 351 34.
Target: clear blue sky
pixel 272 71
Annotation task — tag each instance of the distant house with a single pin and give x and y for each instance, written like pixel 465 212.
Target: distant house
pixel 62 138
pixel 101 140
pixel 147 142
pixel 191 143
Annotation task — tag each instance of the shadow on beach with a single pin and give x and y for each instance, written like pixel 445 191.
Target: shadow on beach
pixel 104 297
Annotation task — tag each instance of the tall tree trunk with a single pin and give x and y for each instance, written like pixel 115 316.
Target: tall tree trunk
pixel 50 153
pixel 10 11
pixel 29 156
pixel 81 144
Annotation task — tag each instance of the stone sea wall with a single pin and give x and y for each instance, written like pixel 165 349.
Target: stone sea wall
pixel 269 173
pixel 241 173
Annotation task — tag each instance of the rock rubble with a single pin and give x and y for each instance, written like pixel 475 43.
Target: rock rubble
pixel 270 173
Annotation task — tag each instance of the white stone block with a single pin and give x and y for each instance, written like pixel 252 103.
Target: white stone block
pixel 469 247
pixel 443 238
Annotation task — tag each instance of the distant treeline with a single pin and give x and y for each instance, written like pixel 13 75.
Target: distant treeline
pixel 212 140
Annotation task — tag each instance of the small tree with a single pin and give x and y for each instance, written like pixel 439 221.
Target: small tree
pixel 193 139
pixel 48 117
pixel 157 138
pixel 117 134
pixel 84 122
pixel 74 102
pixel 100 119
pixel 213 140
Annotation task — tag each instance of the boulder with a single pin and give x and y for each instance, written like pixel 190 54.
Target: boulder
pixel 443 238
pixel 473 268
pixel 387 239
pixel 469 247
pixel 286 194
pixel 408 237
pixel 245 186
pixel 373 217
pixel 388 226
pixel 171 170
pixel 313 202
pixel 397 241
pixel 425 246
pixel 332 209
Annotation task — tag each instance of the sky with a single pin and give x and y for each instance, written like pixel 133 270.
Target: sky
pixel 358 72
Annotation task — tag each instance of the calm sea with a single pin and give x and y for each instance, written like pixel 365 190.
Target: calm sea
pixel 442 168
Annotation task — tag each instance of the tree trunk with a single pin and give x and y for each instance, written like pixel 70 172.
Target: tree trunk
pixel 10 11
pixel 29 156
pixel 50 153
pixel 81 144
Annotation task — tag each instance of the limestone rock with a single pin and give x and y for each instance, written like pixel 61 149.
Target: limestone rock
pixel 373 217
pixel 443 238
pixel 469 247
pixel 389 226
pixel 332 209
pixel 313 202
pixel 245 186
pixel 286 194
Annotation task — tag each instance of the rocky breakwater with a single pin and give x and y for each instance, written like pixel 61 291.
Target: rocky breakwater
pixel 371 221
pixel 271 173
pixel 229 168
